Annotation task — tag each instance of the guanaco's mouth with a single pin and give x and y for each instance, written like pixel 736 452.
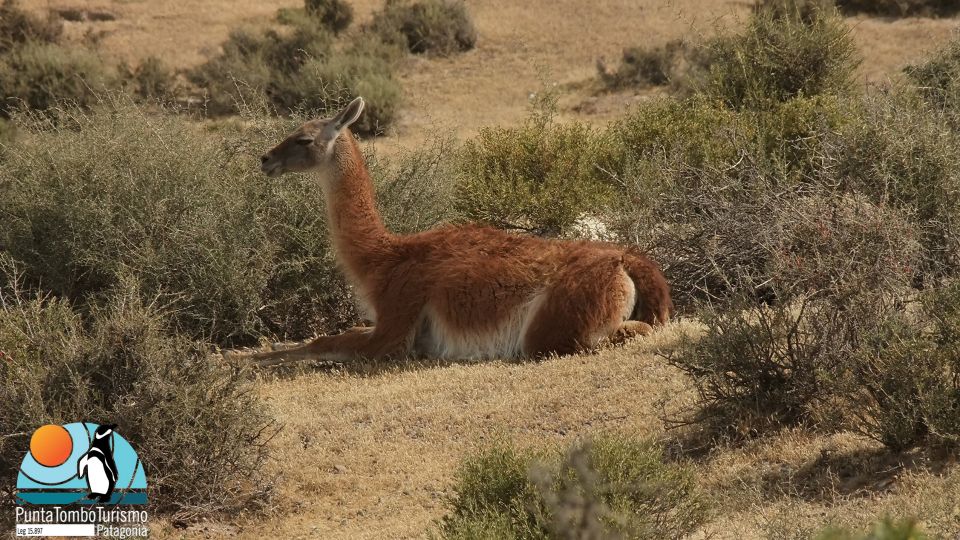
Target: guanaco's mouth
pixel 271 169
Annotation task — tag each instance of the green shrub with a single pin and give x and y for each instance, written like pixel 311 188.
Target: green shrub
pixel 298 71
pixel 325 84
pixel 335 15
pixel 695 133
pixel 834 268
pixel 645 67
pixel 784 53
pixel 41 75
pixel 441 27
pixel 494 496
pixel 758 368
pixel 255 64
pixel 837 347
pixel 121 193
pixel 698 183
pixel 902 387
pixel 887 380
pixel 625 485
pixel 332 15
pixel 936 80
pixel 18 27
pixel 899 153
pixel 900 8
pixel 613 486
pixel 540 177
pixel 198 428
pixel 151 80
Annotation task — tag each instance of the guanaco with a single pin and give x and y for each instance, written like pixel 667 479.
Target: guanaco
pixel 464 291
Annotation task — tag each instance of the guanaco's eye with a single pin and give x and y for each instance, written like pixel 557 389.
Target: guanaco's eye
pixel 304 141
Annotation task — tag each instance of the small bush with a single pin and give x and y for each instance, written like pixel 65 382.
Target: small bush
pixel 151 80
pixel 903 384
pixel 40 76
pixel 613 486
pixel 441 27
pixel 900 8
pixel 18 27
pixel 835 268
pixel 494 496
pixel 645 67
pixel 325 84
pixel 899 153
pixel 335 15
pixel 121 193
pixel 784 53
pixel 255 64
pixel 758 368
pixel 886 380
pixel 886 529
pixel 936 80
pixel 698 183
pixel 693 132
pixel 298 71
pixel 540 177
pixel 198 428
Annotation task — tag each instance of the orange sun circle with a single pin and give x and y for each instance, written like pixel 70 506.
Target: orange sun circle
pixel 51 445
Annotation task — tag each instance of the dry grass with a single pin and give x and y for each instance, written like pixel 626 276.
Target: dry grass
pixel 371 454
pixel 398 435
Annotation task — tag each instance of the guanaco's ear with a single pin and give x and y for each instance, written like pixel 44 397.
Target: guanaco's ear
pixel 349 114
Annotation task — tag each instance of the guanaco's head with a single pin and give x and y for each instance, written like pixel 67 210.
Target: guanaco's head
pixel 311 146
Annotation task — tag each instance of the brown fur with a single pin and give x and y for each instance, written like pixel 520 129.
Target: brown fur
pixel 467 291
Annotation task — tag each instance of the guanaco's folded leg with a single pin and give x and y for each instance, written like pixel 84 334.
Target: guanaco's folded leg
pixel 354 343
pixel 393 334
pixel 629 330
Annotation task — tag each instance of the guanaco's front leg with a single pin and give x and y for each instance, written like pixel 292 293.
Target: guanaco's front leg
pixel 354 343
pixel 392 335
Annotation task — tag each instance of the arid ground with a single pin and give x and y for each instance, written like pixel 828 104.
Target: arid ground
pixel 371 455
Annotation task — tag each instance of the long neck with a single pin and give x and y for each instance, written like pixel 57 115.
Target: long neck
pixel 359 235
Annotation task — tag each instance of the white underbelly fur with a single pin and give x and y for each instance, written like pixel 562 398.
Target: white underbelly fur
pixel 504 341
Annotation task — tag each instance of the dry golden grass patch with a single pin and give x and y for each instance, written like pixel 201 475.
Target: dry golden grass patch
pixel 794 484
pixel 371 455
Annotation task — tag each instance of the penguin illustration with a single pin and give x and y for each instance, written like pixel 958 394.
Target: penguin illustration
pixel 98 465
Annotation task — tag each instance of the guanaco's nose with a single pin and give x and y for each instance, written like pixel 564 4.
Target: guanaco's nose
pixel 264 158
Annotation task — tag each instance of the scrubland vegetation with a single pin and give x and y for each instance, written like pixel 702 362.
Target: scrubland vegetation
pixel 608 487
pixel 812 227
